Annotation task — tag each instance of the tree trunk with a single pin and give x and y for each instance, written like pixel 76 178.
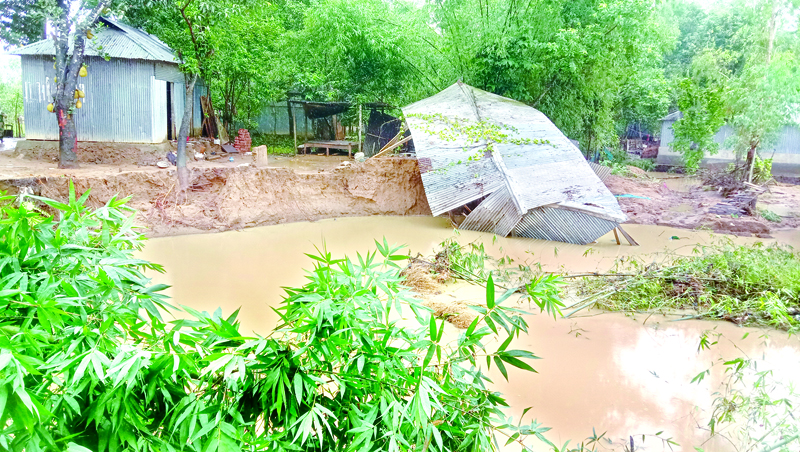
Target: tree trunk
pixel 67 72
pixel 188 106
pixel 751 158
pixel 67 139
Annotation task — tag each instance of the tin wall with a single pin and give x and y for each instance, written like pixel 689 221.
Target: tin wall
pixel 117 106
pixel 126 101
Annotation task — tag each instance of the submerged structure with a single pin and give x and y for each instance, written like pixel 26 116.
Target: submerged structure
pixel 527 178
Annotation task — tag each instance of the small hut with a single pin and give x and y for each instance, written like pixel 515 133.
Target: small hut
pixel 533 183
pixel 134 90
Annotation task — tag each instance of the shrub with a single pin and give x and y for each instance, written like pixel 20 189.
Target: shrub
pixel 87 362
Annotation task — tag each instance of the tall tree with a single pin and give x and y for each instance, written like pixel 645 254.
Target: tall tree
pixel 21 21
pixel 762 97
pixel 573 60
pixel 701 100
pixel 187 26
pixel 71 22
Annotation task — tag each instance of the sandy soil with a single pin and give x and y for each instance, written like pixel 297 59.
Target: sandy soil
pixel 234 195
pixel 683 202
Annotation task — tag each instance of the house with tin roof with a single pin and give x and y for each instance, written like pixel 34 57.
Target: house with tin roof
pixel 135 92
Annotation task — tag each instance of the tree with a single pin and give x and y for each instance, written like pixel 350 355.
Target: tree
pixel 742 71
pixel 764 95
pixel 87 361
pixel 187 26
pixel 22 21
pixel 572 60
pixel 248 69
pixel 11 93
pixel 379 51
pixel 71 23
pixel 701 100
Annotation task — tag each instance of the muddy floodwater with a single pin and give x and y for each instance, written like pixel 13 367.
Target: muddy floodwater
pixel 614 373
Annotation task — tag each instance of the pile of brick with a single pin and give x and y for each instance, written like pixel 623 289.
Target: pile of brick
pixel 242 142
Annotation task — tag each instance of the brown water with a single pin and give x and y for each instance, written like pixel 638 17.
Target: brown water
pixel 606 371
pixel 675 182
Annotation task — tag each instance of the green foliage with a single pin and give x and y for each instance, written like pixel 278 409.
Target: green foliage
pixel 276 144
pixel 472 263
pixel 11 92
pixel 245 66
pixel 23 21
pixel 87 362
pixel 619 161
pixel 762 170
pixel 77 318
pixel 466 262
pixel 377 51
pixel 744 284
pixel 701 99
pixel 753 409
pixel 747 55
pixel 770 215
pixel 573 60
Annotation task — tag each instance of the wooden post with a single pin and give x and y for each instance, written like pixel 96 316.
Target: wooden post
pixel 294 129
pixel 360 127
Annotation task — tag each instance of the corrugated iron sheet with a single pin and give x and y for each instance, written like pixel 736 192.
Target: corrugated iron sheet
pixel 547 172
pixel 560 225
pixel 117 40
pixel 117 106
pixel 602 171
pixel 124 101
pixel 496 214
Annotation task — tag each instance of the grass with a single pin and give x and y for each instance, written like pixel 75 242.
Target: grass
pixel 620 162
pixel 276 144
pixel 770 216
pixel 752 285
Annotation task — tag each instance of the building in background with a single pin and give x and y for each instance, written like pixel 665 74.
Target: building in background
pixel 784 152
pixel 137 95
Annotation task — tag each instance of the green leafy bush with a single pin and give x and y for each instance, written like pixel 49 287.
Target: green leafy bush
pixel 753 409
pixel 770 216
pixel 754 284
pixel 88 362
pixel 619 161
pixel 276 144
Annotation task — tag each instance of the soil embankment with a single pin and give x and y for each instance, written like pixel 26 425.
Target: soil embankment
pixel 230 195
pixel 225 198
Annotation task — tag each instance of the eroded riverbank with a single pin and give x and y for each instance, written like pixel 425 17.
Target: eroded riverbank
pixel 615 373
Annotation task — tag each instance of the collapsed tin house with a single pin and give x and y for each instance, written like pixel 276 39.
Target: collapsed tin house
pixel 525 175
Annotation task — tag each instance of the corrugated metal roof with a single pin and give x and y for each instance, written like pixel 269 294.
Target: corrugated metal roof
pixel 674 116
pixel 547 171
pixel 116 40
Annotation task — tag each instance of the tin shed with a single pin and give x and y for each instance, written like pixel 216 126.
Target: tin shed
pixel 784 150
pixel 531 183
pixel 136 96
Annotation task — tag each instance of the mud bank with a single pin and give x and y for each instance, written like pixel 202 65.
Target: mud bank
pixel 96 152
pixel 682 202
pixel 227 198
